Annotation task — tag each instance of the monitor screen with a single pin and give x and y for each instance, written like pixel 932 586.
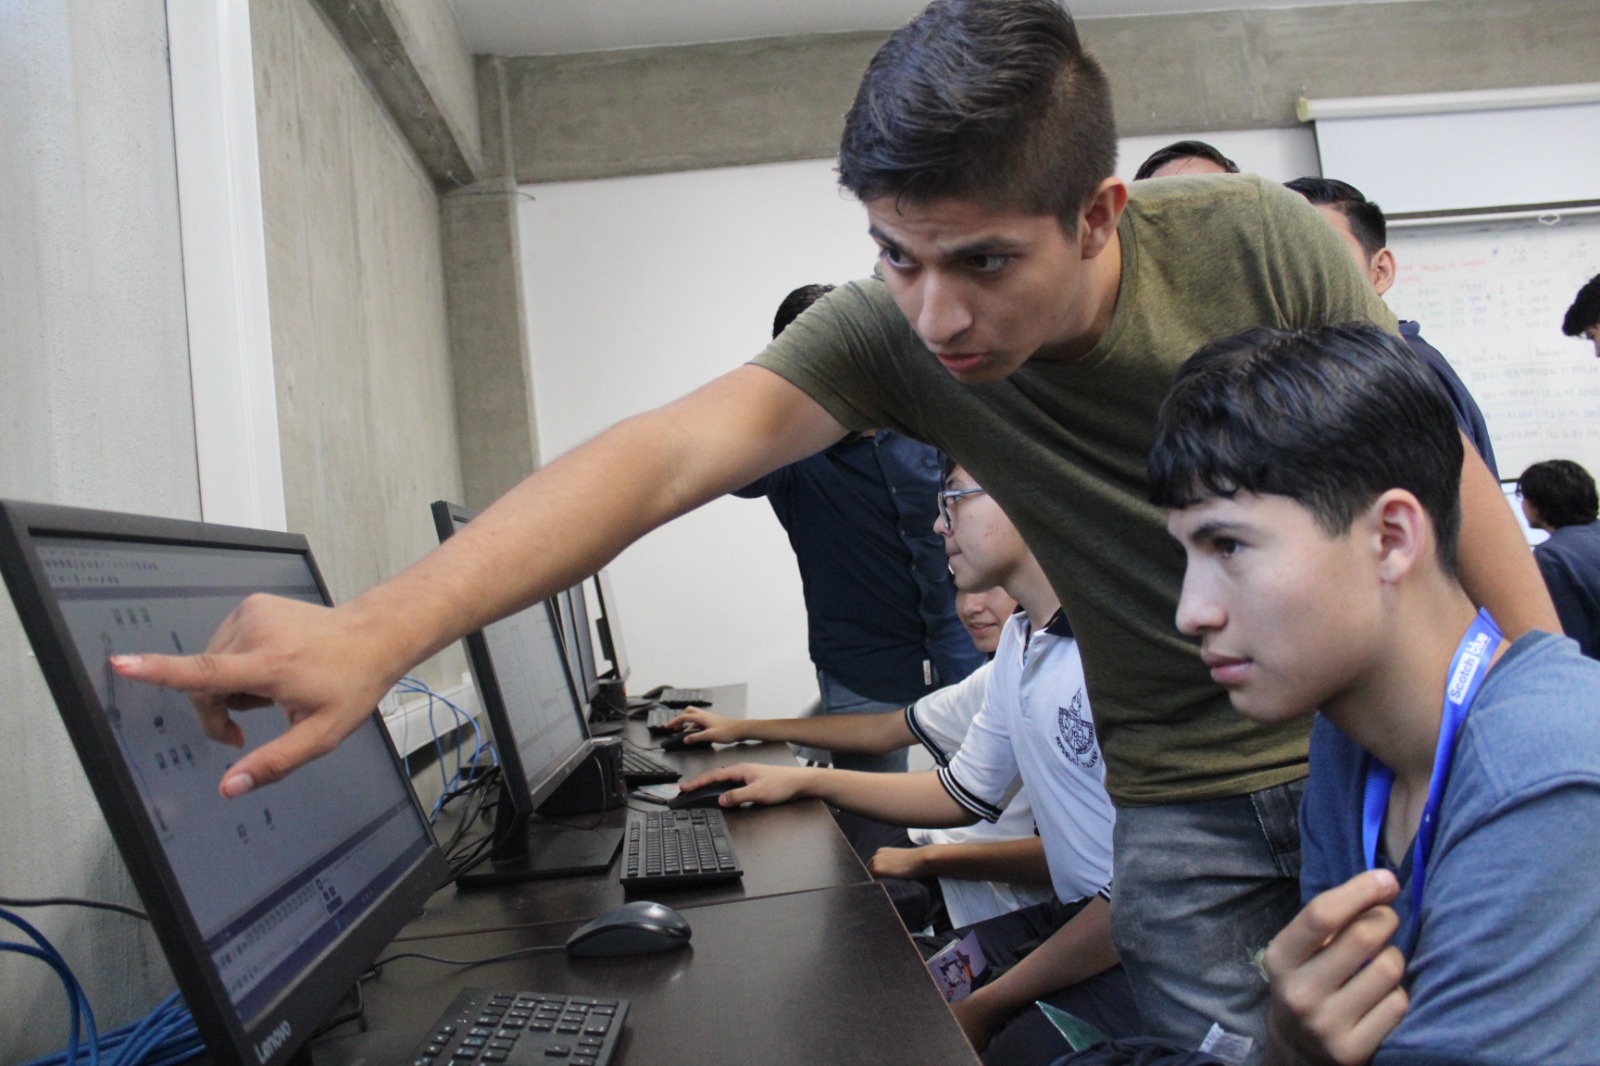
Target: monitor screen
pixel 579 644
pixel 610 627
pixel 268 906
pixel 520 669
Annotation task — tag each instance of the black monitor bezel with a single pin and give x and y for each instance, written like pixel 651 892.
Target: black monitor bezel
pixel 306 1005
pixel 512 819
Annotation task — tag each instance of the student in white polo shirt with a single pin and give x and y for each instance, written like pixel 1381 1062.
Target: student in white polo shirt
pixel 979 871
pixel 1034 726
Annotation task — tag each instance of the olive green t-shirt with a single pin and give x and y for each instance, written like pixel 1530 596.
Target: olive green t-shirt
pixel 1061 447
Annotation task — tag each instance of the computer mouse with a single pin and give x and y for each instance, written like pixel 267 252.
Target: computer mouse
pixel 638 928
pixel 680 742
pixel 705 796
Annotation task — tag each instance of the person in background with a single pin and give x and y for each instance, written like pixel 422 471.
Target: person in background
pixel 1310 477
pixel 1360 223
pixel 984 615
pixel 935 877
pixel 1558 496
pixel 880 608
pixel 1185 157
pixel 1583 317
pixel 1034 730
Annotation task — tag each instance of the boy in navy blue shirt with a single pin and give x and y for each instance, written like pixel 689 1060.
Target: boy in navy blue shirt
pixel 1453 810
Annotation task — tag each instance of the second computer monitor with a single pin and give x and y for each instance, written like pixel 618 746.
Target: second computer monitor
pixel 528 696
pixel 580 647
pixel 609 626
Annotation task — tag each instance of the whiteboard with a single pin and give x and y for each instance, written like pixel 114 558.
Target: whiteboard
pixel 1491 297
pixel 1469 160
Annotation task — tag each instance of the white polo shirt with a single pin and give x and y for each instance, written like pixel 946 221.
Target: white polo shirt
pixel 1035 727
pixel 940 721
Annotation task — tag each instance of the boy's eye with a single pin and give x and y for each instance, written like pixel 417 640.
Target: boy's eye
pixel 894 257
pixel 1225 546
pixel 988 264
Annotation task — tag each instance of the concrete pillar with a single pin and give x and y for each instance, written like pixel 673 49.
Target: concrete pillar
pixel 497 428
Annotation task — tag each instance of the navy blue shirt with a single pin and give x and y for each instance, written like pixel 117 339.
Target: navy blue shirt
pixel 1570 563
pixel 880 606
pixel 1468 417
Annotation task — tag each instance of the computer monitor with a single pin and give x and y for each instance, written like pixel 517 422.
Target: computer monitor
pixel 609 626
pixel 270 906
pixel 520 671
pixel 578 643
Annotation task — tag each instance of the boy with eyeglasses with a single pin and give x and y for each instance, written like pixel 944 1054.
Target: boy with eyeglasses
pixel 1452 815
pixel 1034 730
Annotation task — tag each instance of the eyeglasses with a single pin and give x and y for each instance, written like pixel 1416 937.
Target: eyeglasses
pixel 946 498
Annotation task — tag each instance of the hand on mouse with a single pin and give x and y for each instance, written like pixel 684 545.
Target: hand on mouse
pixel 764 785
pixel 710 728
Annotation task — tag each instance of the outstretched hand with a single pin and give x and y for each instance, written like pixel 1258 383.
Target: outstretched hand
pixel 321 665
pixel 1336 991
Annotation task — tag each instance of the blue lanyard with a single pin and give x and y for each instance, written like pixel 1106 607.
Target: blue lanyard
pixel 1467 670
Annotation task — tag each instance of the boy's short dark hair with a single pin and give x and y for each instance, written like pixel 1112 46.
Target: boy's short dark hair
pixel 1331 418
pixel 1366 219
pixel 1184 150
pixel 796 302
pixel 1585 310
pixel 993 101
pixel 1561 491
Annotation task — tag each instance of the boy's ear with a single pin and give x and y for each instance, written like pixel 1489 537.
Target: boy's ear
pixel 1098 222
pixel 1381 269
pixel 1404 534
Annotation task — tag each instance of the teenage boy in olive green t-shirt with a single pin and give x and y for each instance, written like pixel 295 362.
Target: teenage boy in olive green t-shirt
pixel 1029 325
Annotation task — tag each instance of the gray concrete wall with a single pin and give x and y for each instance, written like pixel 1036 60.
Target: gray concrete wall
pixel 94 412
pixel 413 55
pixel 498 429
pixel 662 109
pixel 650 110
pixel 355 275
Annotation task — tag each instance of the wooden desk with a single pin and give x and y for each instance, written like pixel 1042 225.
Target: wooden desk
pixel 792 848
pixel 824 977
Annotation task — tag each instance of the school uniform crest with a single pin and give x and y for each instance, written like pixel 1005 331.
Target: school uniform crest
pixel 1075 734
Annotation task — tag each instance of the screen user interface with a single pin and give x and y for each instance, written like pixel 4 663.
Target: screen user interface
pixel 305 857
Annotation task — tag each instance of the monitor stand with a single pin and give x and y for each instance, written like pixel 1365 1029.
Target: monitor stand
pixel 552 851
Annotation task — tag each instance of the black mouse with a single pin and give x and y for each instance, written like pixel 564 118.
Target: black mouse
pixel 639 928
pixel 680 742
pixel 705 796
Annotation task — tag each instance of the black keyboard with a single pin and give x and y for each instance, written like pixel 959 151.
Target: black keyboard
pixel 523 1029
pixel 667 848
pixel 658 718
pixel 684 697
pixel 640 769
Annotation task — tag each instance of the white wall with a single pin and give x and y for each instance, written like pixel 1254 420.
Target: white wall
pixel 1278 154
pixel 637 290
pixel 94 401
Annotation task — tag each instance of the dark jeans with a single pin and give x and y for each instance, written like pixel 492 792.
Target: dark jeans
pixel 1105 1000
pixel 920 903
